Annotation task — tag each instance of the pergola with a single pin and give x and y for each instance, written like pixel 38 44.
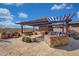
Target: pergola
pixel 54 22
pixel 33 23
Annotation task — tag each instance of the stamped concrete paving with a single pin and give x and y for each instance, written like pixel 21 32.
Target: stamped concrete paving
pixel 15 47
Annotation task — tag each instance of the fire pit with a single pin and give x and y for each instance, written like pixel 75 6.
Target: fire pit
pixel 56 40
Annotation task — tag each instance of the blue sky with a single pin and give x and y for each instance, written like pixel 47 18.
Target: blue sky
pixel 11 13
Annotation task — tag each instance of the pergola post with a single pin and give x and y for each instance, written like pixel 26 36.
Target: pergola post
pixel 63 29
pixel 39 28
pixel 67 28
pixel 21 28
pixel 52 29
pixel 33 28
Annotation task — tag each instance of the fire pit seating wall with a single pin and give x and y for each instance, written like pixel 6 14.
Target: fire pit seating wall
pixel 54 41
pixel 6 35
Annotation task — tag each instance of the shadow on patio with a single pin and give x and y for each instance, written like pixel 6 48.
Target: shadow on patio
pixel 73 45
pixel 4 40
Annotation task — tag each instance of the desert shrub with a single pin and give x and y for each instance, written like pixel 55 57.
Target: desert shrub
pixel 4 35
pixel 75 36
pixel 16 34
pixel 35 33
pixel 9 35
pixel 26 39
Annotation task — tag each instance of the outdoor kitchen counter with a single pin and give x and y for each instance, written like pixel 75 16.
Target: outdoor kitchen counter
pixel 36 37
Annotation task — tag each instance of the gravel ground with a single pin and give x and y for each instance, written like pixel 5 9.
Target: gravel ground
pixel 15 47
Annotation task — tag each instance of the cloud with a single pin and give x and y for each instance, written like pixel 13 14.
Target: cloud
pixel 5 14
pixel 9 24
pixel 22 15
pixel 15 4
pixel 61 6
pixel 69 7
pixel 6 18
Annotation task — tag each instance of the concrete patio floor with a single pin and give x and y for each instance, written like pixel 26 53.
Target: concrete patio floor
pixel 15 47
